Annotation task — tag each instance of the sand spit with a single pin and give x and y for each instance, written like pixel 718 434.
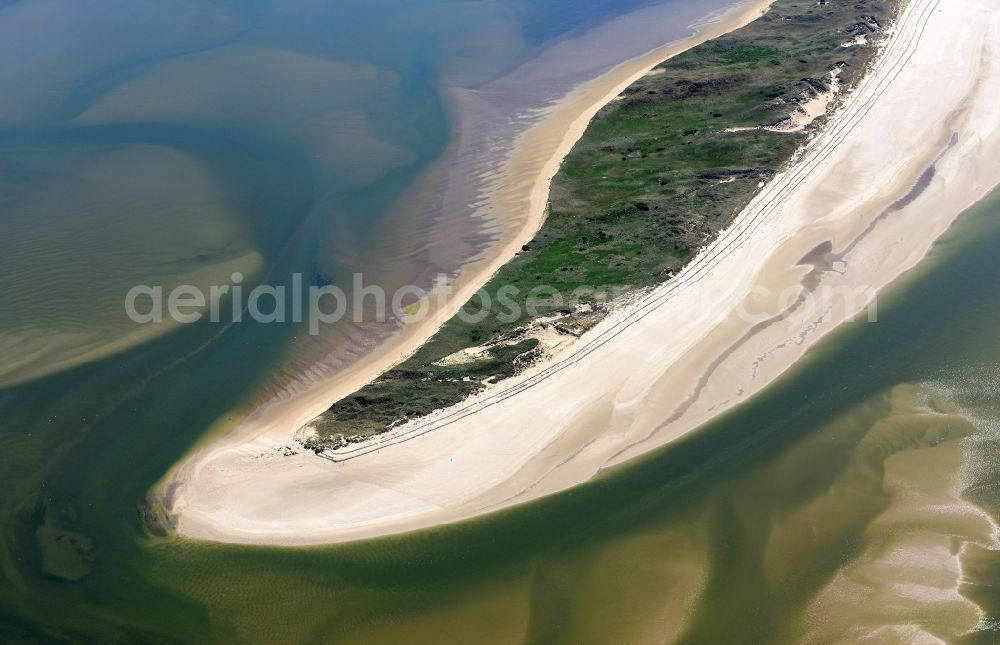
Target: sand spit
pixel 521 194
pixel 911 148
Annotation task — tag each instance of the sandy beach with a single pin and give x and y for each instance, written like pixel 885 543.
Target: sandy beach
pixel 906 153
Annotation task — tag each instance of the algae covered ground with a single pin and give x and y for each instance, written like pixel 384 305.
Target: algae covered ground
pixel 659 173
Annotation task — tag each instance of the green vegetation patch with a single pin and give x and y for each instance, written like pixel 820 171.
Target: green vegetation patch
pixel 658 174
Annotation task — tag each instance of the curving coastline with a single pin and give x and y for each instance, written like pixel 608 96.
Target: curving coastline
pixel 520 191
pixel 226 493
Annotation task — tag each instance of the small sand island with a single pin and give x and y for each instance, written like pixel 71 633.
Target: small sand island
pixel 786 150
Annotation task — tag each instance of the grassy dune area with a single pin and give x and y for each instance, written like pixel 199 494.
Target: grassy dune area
pixel 660 171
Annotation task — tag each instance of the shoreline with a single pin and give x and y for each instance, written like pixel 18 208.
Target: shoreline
pixel 563 125
pixel 565 453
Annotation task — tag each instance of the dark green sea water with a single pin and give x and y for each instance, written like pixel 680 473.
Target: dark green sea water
pixel 148 141
pixel 702 532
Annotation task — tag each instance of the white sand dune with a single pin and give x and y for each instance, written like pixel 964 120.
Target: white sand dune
pixel 912 147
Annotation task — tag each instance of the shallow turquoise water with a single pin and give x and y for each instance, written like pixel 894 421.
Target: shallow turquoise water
pixel 225 161
pixel 166 144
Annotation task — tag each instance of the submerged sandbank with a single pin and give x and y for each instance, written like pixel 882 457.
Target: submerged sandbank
pixel 664 357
